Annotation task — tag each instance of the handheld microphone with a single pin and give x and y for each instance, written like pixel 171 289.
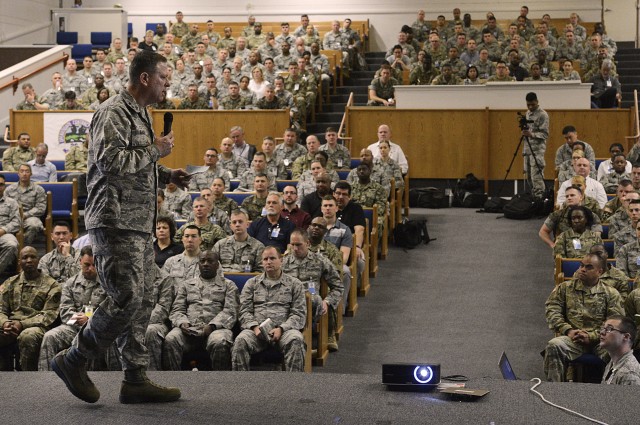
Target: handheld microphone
pixel 168 120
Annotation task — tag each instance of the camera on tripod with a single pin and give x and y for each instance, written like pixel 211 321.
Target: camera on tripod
pixel 523 122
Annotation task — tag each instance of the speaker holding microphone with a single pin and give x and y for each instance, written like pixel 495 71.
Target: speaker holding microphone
pixel 168 122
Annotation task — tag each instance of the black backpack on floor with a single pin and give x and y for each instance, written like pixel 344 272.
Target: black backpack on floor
pixel 411 233
pixel 521 207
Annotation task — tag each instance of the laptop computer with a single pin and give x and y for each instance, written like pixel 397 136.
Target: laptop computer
pixel 505 368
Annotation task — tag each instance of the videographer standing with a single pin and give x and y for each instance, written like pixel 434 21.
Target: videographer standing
pixel 535 144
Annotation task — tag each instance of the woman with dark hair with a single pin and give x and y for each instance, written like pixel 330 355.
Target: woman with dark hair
pixel 164 247
pixel 103 94
pixel 577 241
pixel 423 72
pixel 472 76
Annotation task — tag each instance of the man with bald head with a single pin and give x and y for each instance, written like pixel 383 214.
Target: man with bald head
pixel 312 203
pixel 378 174
pixel 303 163
pixel 395 153
pixel 594 189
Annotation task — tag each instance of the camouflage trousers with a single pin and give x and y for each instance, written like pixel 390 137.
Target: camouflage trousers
pixel 153 340
pixel 535 176
pixel 32 228
pixel 218 344
pixel 316 314
pixel 125 263
pixel 28 343
pixel 291 344
pixel 561 351
pixel 8 251
pixel 61 337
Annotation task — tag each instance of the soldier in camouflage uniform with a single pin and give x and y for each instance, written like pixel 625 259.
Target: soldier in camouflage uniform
pixel 76 158
pixel 209 233
pixel 80 295
pixel 270 100
pixel 159 324
pixel 180 28
pixel 339 155
pixel 72 80
pixel 303 163
pixel 378 173
pixel 535 144
pixel 369 193
pixel 381 89
pixel 216 215
pixel 254 204
pixel 203 315
pixel 33 200
pixel 29 305
pixel 311 269
pixel 258 166
pixel 612 276
pixel 120 217
pixel 203 180
pixel 288 315
pixel 576 310
pixel 275 166
pixel 177 201
pixel 10 223
pixel 185 265
pixel 227 41
pixel 578 240
pixel 611 180
pixel 61 263
pixel 288 151
pixel 15 156
pixel 623 223
pixel 233 100
pixel 569 48
pixel 220 201
pixel 302 90
pixel 193 99
pixel 55 95
pixel 447 78
pixel 628 257
pixel 190 39
pixel 239 252
pixel 228 161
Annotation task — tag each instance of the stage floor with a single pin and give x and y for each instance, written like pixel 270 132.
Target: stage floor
pixel 287 398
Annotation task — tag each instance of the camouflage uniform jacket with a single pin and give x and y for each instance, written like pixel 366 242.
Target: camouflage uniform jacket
pixel 628 259
pixel 370 195
pixel 247 178
pixel 340 156
pixel 254 206
pixel 313 268
pixel 209 233
pixel 199 103
pixel 287 155
pixel 440 81
pixel 78 292
pixel 58 266
pixel 163 295
pixel 276 103
pixel 180 267
pixel 228 103
pixel 226 204
pixel 32 302
pixel 298 86
pixel 382 90
pixel 621 230
pixel 217 216
pixel 557 221
pixel 615 278
pixel 32 199
pixel 378 175
pixel 10 220
pixel 277 168
pixel 610 181
pixel 201 302
pixel 283 301
pixel 179 29
pixel 13 157
pixel 485 69
pixel 540 129
pixel 632 309
pixel 238 256
pixel 330 251
pixel 569 244
pixel 52 97
pixel 234 166
pixel 178 202
pixel 203 180
pixel 571 305
pixel 76 83
pixel 123 174
pixel 76 158
pixel 611 207
pixel 392 169
pixel 419 76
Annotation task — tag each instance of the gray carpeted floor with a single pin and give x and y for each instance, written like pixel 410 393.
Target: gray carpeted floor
pixel 478 289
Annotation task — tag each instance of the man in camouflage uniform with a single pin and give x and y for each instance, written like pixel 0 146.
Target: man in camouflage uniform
pixel 204 180
pixel 612 276
pixel 159 324
pixel 233 165
pixel 254 204
pixel 611 180
pixel 311 268
pixel 615 204
pixel 339 155
pixel 184 265
pixel 303 163
pixel 13 157
pixel 227 41
pixel 180 28
pixel 29 305
pixel 369 193
pixel 258 166
pixel 72 80
pixel 576 309
pixel 216 215
pixel 218 200
pixel 569 48
pixel 256 39
pixel 177 201
pixel 535 144
pixel 33 200
pixel 61 263
pixel 233 100
pixel 296 116
pixel 622 225
pixel 203 315
pixel 381 89
pixel 80 295
pixel 288 315
pixel 55 95
pixel 378 174
pixel 209 233
pixel 123 166
pixel 301 88
pixel 190 39
pixel 76 158
pixel 10 223
pixel 628 256
pixel 288 151
pixel 447 78
pixel 239 252
pixel 193 99
pixel 270 100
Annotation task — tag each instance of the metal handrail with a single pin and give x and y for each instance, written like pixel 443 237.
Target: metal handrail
pixel 347 140
pixel 15 82
pixel 635 103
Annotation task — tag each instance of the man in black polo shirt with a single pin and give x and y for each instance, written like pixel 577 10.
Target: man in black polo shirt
pixel 351 214
pixel 272 230
pixel 312 203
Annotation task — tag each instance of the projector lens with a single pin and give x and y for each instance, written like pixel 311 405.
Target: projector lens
pixel 423 374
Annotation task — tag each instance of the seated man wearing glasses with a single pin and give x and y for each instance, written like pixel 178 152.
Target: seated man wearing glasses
pixel 617 336
pixel 575 310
